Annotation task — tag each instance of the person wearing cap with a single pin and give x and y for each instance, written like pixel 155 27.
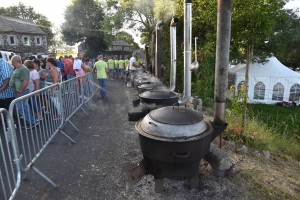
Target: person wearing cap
pixel 32 58
pixel 132 67
pixel 102 70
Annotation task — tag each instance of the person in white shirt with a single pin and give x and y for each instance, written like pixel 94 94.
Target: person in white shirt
pixel 132 67
pixel 78 65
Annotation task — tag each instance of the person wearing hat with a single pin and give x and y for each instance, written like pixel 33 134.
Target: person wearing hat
pixel 133 67
pixel 102 70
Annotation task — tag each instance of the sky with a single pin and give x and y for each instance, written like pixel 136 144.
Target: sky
pixel 54 9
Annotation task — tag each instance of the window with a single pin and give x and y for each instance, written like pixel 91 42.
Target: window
pixel 278 91
pixel 12 40
pixel 26 41
pixel 259 91
pixel 295 92
pixel 38 41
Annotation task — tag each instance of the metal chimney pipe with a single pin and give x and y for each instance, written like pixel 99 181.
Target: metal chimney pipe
pixel 187 52
pixel 222 60
pixel 173 54
pixel 147 57
pixel 153 52
pixel 158 50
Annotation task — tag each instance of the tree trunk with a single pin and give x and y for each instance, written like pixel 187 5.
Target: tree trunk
pixel 245 95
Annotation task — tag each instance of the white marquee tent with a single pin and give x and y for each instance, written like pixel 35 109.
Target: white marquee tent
pixel 269 83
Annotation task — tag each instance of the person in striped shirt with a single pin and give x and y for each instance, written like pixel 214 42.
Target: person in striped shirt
pixel 6 94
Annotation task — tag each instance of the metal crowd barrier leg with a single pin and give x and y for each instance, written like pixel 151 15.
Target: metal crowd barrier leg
pixel 34 133
pixel 10 173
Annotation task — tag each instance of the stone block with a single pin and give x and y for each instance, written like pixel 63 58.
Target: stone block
pixel 220 163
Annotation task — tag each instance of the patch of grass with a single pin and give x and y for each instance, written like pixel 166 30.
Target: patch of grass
pixel 283 120
pixel 266 129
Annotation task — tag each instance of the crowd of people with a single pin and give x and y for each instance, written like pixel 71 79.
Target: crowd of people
pixel 21 76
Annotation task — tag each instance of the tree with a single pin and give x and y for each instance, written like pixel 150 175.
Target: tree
pixel 250 30
pixel 56 42
pixel 27 12
pixel 113 21
pixel 126 37
pixel 285 42
pixel 142 15
pixel 83 23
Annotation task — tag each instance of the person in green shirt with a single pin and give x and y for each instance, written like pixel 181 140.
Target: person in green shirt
pixel 138 64
pixel 126 67
pixel 111 67
pixel 102 69
pixel 19 83
pixel 121 67
pixel 116 72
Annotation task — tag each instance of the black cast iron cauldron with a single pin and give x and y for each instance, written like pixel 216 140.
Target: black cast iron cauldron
pixel 159 97
pixel 148 86
pixel 174 140
pixel 142 78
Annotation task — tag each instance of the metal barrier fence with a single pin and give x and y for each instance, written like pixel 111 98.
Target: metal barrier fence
pixel 53 106
pixel 10 174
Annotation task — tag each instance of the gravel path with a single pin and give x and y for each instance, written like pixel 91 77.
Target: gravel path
pixel 106 147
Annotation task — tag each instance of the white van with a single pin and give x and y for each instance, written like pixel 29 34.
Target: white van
pixel 6 54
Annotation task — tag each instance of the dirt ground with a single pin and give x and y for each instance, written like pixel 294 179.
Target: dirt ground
pixel 107 146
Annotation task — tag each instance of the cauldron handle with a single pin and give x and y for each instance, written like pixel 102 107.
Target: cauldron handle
pixel 152 123
pixel 175 105
pixel 185 155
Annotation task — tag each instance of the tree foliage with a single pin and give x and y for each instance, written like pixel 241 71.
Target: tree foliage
pixel 56 42
pixel 285 41
pixel 141 15
pixel 126 37
pixel 253 23
pixel 83 23
pixel 27 12
pixel 113 21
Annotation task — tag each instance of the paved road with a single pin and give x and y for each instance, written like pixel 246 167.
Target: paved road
pixel 92 168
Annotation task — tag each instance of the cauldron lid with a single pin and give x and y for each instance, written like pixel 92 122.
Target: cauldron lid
pixel 158 94
pixel 148 85
pixel 175 115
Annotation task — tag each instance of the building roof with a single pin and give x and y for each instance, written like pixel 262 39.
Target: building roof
pixel 120 43
pixel 18 25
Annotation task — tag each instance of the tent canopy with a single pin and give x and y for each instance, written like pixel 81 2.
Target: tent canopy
pixel 269 83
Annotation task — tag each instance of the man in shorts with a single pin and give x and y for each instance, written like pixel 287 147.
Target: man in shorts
pixel 132 67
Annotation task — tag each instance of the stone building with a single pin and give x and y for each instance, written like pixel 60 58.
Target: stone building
pixel 22 36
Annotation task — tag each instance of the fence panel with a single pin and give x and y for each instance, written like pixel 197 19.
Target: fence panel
pixel 72 92
pixel 91 86
pixel 10 174
pixel 38 119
